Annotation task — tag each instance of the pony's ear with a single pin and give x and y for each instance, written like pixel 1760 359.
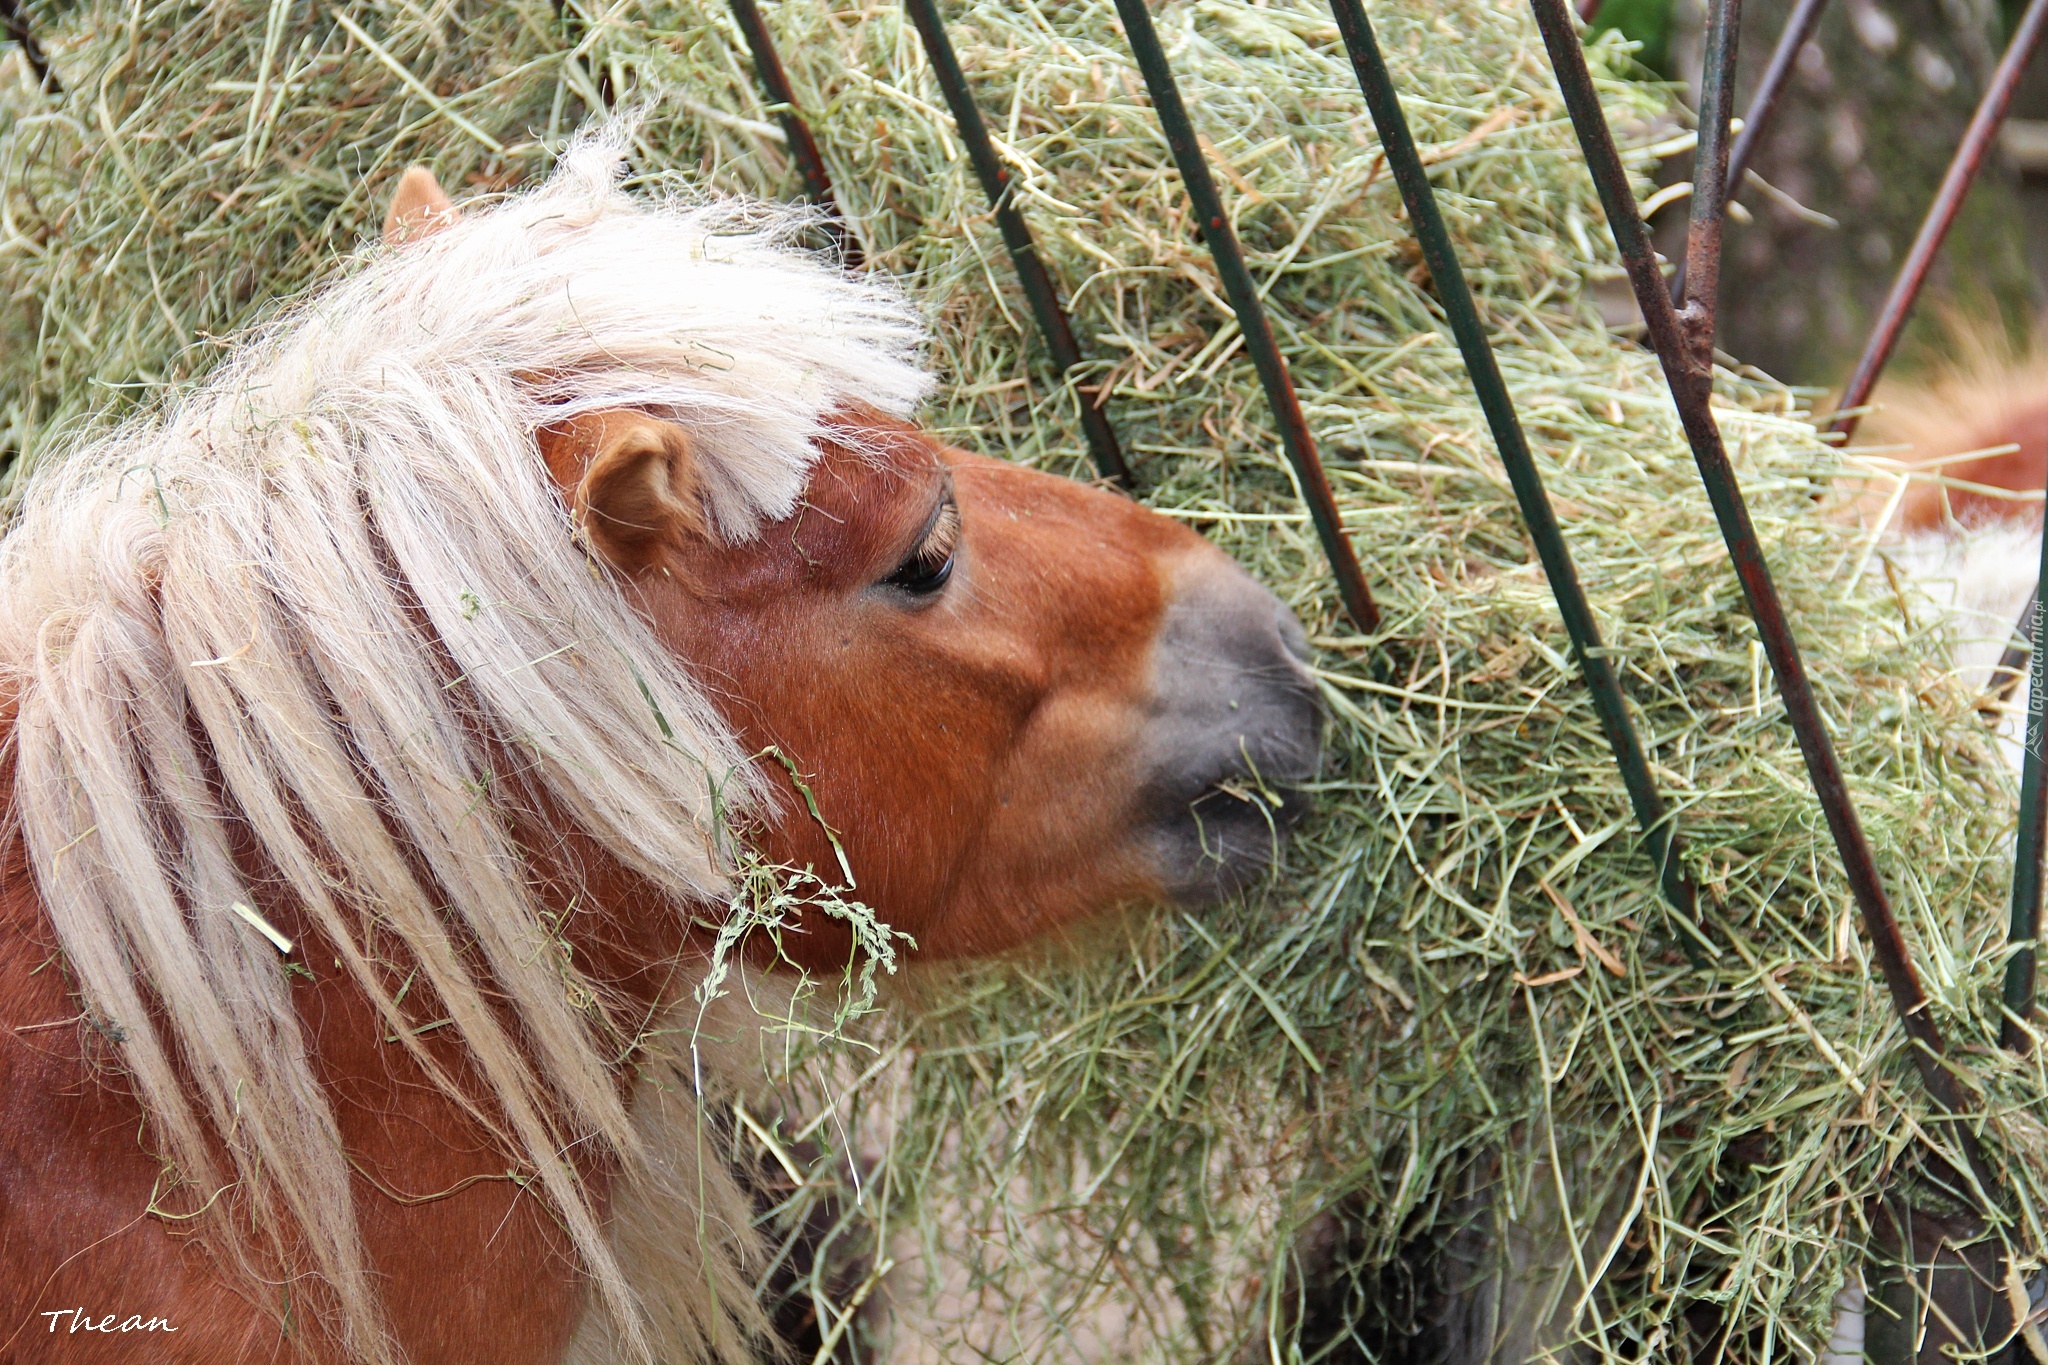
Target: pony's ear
pixel 419 208
pixel 631 482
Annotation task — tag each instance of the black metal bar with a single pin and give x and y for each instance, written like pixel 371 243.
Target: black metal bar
pixel 1691 390
pixel 1659 833
pixel 1941 215
pixel 2012 665
pixel 14 21
pixel 2024 931
pixel 1710 184
pixel 810 164
pixel 1251 313
pixel 1053 324
pixel 1762 105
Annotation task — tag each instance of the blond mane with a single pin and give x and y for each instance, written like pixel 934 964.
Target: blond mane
pixel 252 610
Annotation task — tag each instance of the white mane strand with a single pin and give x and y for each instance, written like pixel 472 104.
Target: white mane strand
pixel 245 612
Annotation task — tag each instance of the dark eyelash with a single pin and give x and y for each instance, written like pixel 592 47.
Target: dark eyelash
pixel 931 563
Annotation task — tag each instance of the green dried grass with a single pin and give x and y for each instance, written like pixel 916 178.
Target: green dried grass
pixel 1123 1146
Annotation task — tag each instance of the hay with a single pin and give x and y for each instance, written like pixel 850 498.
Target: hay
pixel 1463 982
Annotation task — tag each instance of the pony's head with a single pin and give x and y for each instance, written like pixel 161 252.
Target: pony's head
pixel 1007 698
pixel 455 629
pixel 1010 698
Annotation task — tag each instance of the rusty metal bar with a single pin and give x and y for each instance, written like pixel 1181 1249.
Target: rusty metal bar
pixel 1941 215
pixel 1702 290
pixel 1691 379
pixel 14 22
pixel 1660 835
pixel 1762 105
pixel 1244 299
pixel 810 164
pixel 1053 323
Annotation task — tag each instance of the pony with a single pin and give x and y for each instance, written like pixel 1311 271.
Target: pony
pixel 1959 515
pixel 1977 431
pixel 386 719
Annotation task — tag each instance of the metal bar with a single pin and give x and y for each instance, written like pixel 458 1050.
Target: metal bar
pixel 2012 665
pixel 1659 833
pixel 810 164
pixel 1710 184
pixel 1052 319
pixel 14 21
pixel 1941 215
pixel 1691 389
pixel 1251 313
pixel 1763 104
pixel 2024 931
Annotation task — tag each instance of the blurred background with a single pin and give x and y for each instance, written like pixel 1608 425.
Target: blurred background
pixel 1877 103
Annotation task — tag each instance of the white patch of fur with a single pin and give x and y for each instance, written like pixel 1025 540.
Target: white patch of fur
pixel 1845 1342
pixel 1978 577
pixel 238 583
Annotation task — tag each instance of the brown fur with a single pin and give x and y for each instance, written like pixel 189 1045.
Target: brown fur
pixel 76 1177
pixel 995 724
pixel 1989 400
pixel 418 206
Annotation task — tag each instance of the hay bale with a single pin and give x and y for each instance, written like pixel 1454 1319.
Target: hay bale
pixel 1461 1000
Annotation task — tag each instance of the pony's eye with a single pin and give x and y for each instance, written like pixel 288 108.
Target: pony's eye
pixel 931 563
